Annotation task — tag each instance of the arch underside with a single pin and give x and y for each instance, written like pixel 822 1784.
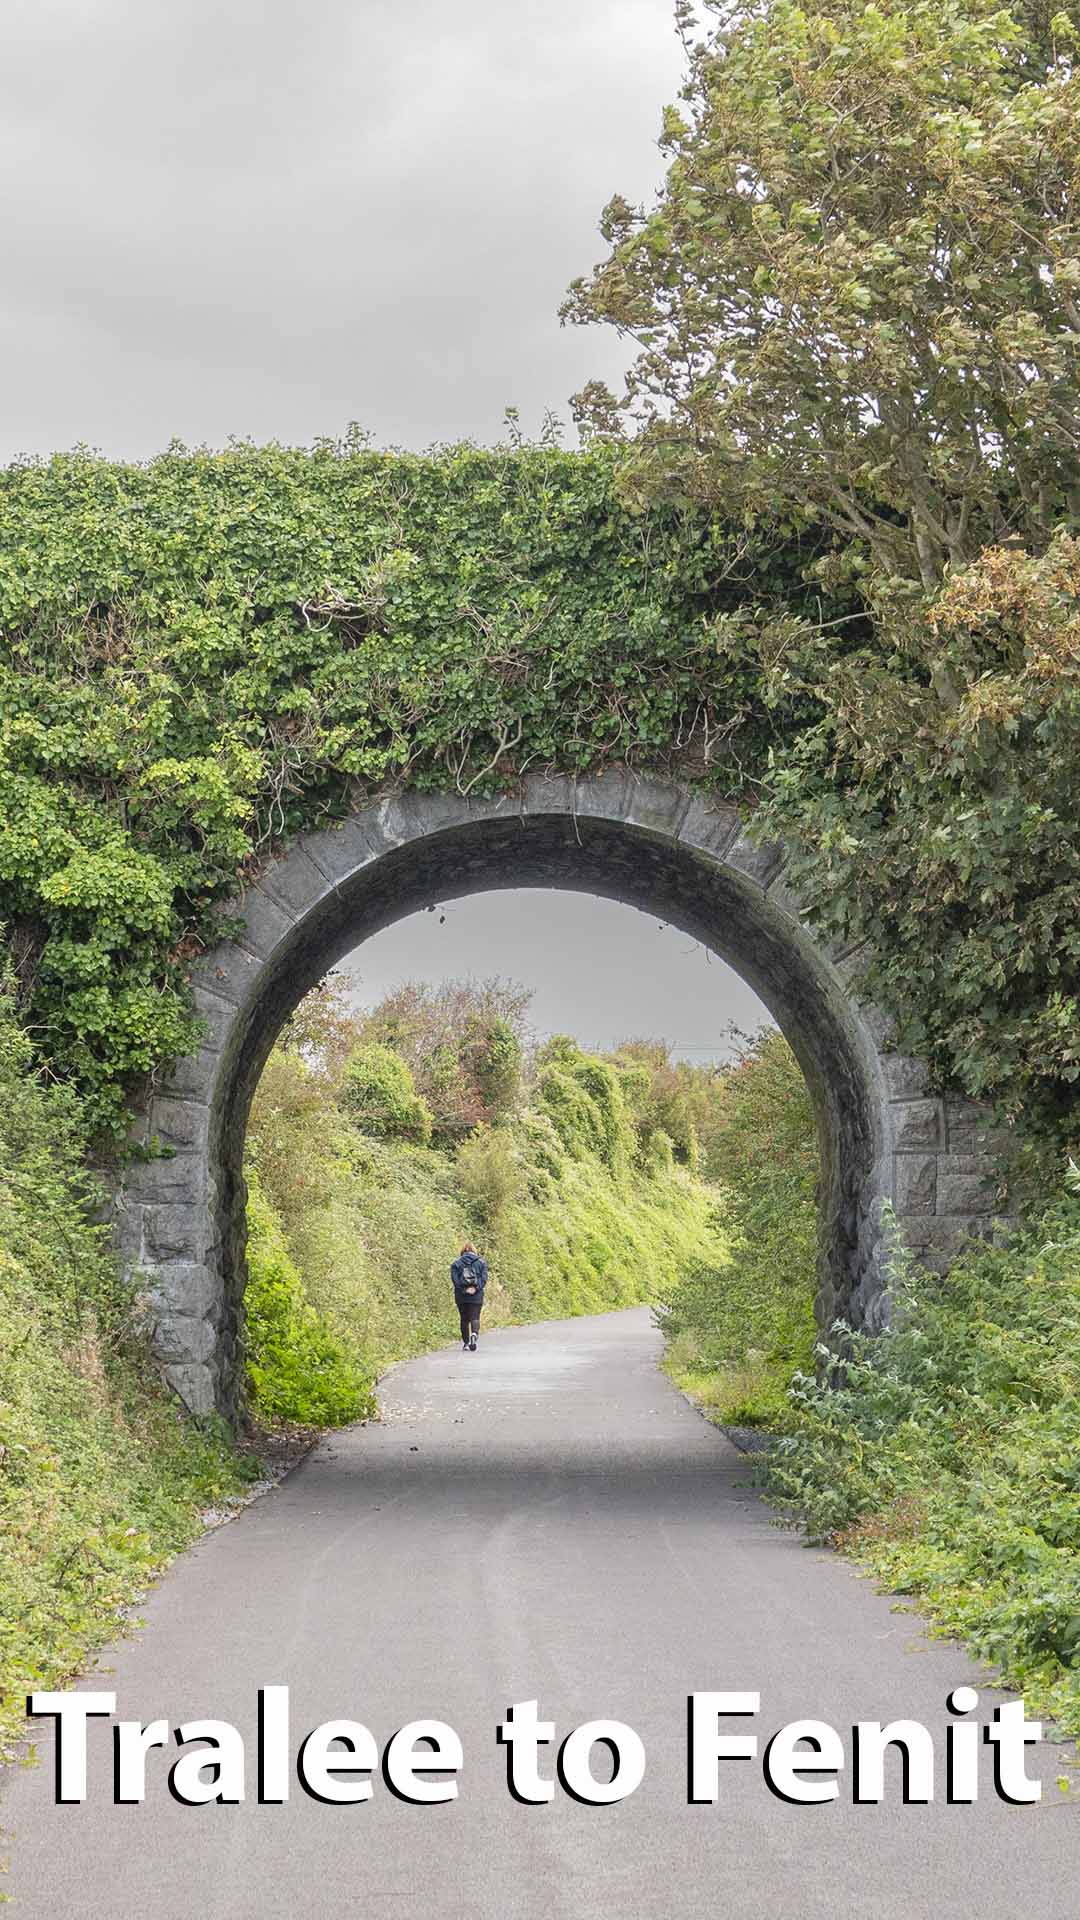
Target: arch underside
pixel 883 1136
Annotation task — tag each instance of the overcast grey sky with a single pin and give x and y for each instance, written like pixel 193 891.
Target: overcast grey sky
pixel 599 970
pixel 267 218
pixel 264 219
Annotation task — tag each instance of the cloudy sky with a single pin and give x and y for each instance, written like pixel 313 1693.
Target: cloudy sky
pixel 599 970
pixel 268 219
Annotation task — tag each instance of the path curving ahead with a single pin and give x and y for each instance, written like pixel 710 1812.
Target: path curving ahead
pixel 545 1519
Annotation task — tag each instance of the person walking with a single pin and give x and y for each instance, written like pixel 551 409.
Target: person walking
pixel 469 1275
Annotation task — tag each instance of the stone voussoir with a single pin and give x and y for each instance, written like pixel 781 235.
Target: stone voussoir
pixel 218 1014
pixel 709 827
pixel 343 850
pixel 657 807
pixel 228 970
pixel 548 793
pixel 295 883
pixel 760 862
pixel 266 925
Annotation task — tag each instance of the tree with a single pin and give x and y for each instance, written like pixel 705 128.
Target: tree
pixel 463 1044
pixel 858 296
pixel 379 1092
pixel 857 303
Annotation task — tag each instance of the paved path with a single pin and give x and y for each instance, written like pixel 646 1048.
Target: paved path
pixel 550 1519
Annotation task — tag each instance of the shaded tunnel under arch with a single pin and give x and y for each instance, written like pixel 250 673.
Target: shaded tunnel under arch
pixel 650 845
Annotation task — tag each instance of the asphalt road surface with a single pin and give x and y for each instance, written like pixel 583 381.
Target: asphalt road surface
pixel 546 1519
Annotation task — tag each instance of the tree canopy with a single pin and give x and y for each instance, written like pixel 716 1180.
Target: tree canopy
pixel 856 305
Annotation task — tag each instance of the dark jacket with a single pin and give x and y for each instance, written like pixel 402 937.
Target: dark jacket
pixel 469 1269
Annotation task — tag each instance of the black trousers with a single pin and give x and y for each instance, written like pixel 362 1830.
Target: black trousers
pixel 469 1315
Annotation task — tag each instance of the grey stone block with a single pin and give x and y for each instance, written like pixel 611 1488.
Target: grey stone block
pixel 183 1339
pixel 344 850
pixel 880 1026
pixel 195 1385
pixel 904 1079
pixel 193 1076
pixel 607 796
pixel 182 1288
pixel 967 1193
pixel 127 1228
pixel 229 971
pixel 178 1178
pixel 786 900
pixel 971 1128
pixel 918 1123
pixel 548 793
pixel 757 862
pixel 295 883
pixel 944 1234
pixel 849 964
pixel 979 1164
pixel 657 806
pixel 266 924
pixel 709 826
pixel 916 1182
pixel 217 1013
pixel 178 1123
pixel 173 1232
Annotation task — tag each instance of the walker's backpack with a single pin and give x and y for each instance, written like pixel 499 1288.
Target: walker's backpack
pixel 471 1276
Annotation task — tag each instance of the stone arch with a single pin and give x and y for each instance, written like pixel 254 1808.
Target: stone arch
pixel 652 844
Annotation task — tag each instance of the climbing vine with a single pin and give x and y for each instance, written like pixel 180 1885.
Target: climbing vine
pixel 203 655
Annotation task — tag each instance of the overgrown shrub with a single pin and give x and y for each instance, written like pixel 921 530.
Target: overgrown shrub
pixel 751 1316
pixel 490 1175
pixel 947 1459
pixel 379 1092
pixel 462 1042
pixel 101 1478
pixel 582 1096
pixel 298 1368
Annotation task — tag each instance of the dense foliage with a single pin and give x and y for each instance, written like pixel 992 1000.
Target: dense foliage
pixel 463 1044
pixel 379 1091
pixel 856 306
pixel 739 1328
pixel 566 1195
pixel 857 292
pixel 947 1459
pixel 201 656
pixel 101 1478
pixel 298 1367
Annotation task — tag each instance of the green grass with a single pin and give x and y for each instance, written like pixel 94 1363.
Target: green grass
pixel 750 1395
